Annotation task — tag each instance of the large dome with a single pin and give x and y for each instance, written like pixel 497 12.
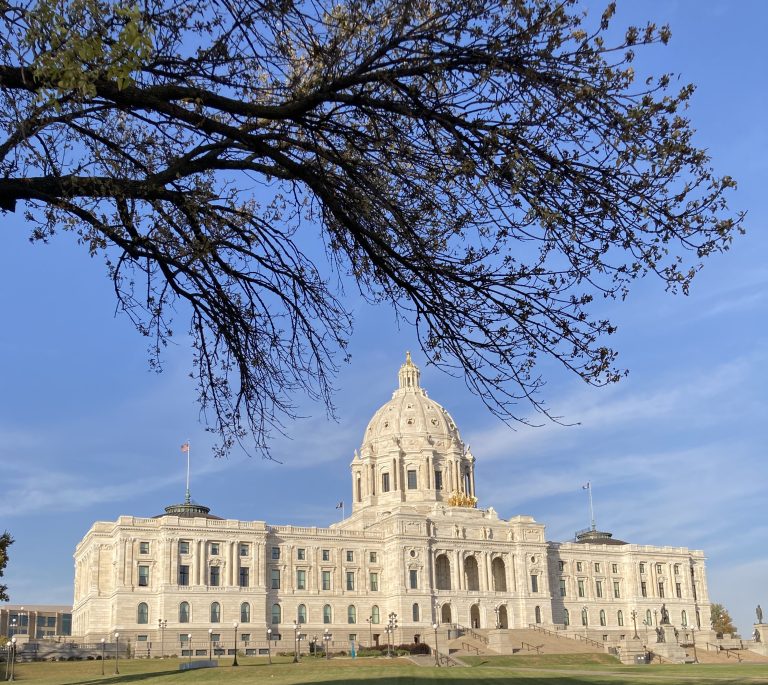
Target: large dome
pixel 411 417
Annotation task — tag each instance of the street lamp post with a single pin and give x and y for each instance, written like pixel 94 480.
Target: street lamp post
pixel 496 611
pixel 13 659
pixel 656 618
pixel 645 623
pixel 369 621
pixel 189 642
pixel 117 653
pixel 633 614
pixel 234 661
pixel 162 624
pixel 392 625
pixel 13 630
pixel 437 655
pixel 693 637
pixel 103 643
pixel 269 644
pixel 585 619
pixel 314 645
pixel 327 639
pixel 210 643
pixel 7 659
pixel 296 626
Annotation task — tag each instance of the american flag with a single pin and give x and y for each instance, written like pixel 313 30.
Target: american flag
pixel 185 447
pixel 340 505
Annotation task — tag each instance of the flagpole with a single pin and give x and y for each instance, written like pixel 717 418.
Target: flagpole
pixel 187 498
pixel 591 508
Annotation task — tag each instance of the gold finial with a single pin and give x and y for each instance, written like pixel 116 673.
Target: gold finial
pixel 408 358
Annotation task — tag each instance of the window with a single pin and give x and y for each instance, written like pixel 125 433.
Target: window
pixel 275 578
pixel 142 638
pixel 644 589
pixel 385 482
pixel 326 555
pixel 245 637
pixel 648 620
pixel 351 614
pixel 352 637
pixel 183 574
pixel 578 566
pixel 245 576
pixel 658 568
pixel 581 587
pixel 243 550
pixel 215 549
pixel 275 552
pixel 415 612
pixel 413 576
pixel 245 613
pixel 215 637
pixel 276 614
pixel 534 583
pixel 677 569
pixel 438 480
pixel 372 557
pixel 301 554
pixel 616 589
pixel 562 587
pixel 143 575
pixel 584 617
pixel 215 576
pixel 598 588
pixel 326 580
pixel 301 579
pixel 561 565
pixel 411 476
pixel 614 568
pixel 375 614
pixel 684 618
pixel 661 589
pixel 620 617
pixel 602 617
pixel 183 547
pixel 537 614
pixel 184 637
pixel 374 582
pixel 350 556
pixel 678 590
pixel 142 613
pixel 184 612
pixel 301 613
pixel 642 567
pixel 350 580
pixel 327 613
pixel 597 567
pixel 215 612
pixel 143 548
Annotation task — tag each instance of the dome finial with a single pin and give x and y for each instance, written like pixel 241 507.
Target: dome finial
pixel 409 374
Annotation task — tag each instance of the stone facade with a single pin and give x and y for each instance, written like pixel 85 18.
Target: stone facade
pixel 415 544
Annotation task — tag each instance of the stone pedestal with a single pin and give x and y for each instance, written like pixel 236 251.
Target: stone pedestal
pixel 759 641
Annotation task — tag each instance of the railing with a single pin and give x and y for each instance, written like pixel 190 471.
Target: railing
pixel 466 646
pixel 733 653
pixel 546 631
pixel 470 631
pixel 660 658
pixel 716 648
pixel 530 647
pixel 574 636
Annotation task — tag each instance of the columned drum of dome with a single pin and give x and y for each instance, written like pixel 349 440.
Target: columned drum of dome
pixel 412 452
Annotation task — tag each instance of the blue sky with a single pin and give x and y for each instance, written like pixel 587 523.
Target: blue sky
pixel 676 452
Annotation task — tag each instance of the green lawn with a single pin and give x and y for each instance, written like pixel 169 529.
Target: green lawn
pixel 532 670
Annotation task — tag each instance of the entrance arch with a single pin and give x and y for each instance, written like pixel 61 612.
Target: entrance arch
pixel 503 620
pixel 474 615
pixel 499 573
pixel 445 613
pixel 442 572
pixel 471 575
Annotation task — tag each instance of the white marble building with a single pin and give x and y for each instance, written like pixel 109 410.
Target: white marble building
pixel 416 544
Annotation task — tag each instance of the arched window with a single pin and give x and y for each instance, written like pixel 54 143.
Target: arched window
pixel 215 612
pixel 142 613
pixel 375 616
pixel 537 614
pixel 277 614
pixel 327 613
pixel 499 573
pixel 698 614
pixel 302 613
pixel 184 612
pixel 584 617
pixel 566 617
pixel 351 614
pixel 443 572
pixel 471 575
pixel 415 612
pixel 245 613
pixel 602 617
pixel 684 618
pixel 648 619
pixel 620 617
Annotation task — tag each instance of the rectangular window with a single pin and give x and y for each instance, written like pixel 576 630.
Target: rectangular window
pixel 301 554
pixel 141 638
pixel 215 576
pixel 642 567
pixel 326 555
pixel 143 575
pixel 374 578
pixel 581 587
pixel 183 547
pixel 275 552
pixel 561 565
pixel 275 576
pixel 411 474
pixel 301 579
pixel 143 548
pixel 658 568
pixel 245 576
pixel 413 576
pixel 214 549
pixel 599 588
pixel 246 637
pixel 243 550
pixel 616 589
pixel 597 567
pixel 615 568
pixel 385 482
pixel 677 569
pixel 644 589
pixel 326 580
pixel 352 637
pixel 562 587
pixel 678 590
pixel 183 637
pixel 372 557
pixel 661 589
pixel 578 566
pixel 350 555
pixel 350 580
pixel 183 574
pixel 438 480
pixel 215 637
pixel 534 583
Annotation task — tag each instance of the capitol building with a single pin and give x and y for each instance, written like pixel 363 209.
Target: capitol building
pixel 417 544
